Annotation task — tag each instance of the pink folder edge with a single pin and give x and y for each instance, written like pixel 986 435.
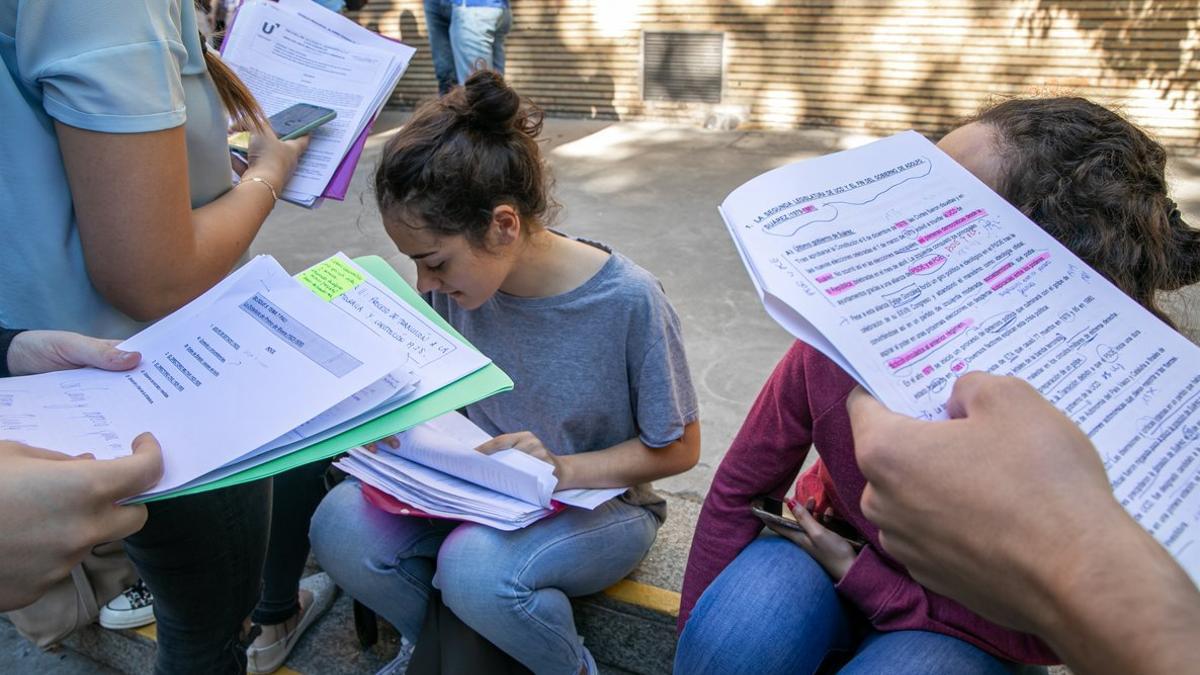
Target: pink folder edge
pixel 340 183
pixel 389 504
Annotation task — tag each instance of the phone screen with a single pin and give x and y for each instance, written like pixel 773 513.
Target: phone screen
pixel 299 119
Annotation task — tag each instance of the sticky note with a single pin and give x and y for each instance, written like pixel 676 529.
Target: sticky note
pixel 330 279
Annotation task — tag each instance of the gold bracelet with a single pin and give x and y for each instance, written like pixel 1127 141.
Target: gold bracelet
pixel 264 181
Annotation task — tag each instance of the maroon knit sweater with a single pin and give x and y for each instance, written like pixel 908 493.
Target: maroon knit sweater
pixel 801 405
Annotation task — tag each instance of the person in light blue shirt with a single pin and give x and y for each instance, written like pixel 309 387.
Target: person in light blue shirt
pixel 115 185
pixel 465 35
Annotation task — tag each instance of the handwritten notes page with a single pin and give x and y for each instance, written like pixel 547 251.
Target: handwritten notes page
pixel 908 272
pixel 232 370
pixel 436 357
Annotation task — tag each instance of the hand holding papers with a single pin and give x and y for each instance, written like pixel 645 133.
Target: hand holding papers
pixel 907 271
pixel 228 373
pixel 259 374
pixel 295 51
pixel 437 470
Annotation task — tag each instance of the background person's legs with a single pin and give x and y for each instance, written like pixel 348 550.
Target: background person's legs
pixel 772 610
pixel 498 39
pixel 294 499
pixel 437 25
pixel 473 35
pixel 202 557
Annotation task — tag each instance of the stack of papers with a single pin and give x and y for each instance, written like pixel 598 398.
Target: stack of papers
pixel 296 51
pixel 908 272
pixel 437 472
pixel 262 373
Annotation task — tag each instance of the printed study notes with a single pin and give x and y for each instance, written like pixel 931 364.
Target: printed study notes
pixel 907 271
pixel 262 373
pixel 296 51
pixel 436 471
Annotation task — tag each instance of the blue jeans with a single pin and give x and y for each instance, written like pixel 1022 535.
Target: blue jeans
pixel 202 557
pixel 510 587
pixel 461 37
pixel 775 610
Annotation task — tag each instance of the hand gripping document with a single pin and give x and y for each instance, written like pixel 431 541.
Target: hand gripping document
pixel 907 271
pixel 296 51
pixel 261 374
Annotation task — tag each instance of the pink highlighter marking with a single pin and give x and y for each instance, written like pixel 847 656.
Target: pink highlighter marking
pixel 1021 271
pixel 808 209
pixel 947 229
pixel 930 345
pixel 900 223
pixel 927 370
pixel 927 265
pixel 823 278
pixel 840 288
pixel 951 211
pixel 999 270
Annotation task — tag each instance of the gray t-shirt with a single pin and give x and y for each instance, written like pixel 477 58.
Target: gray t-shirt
pixel 592 367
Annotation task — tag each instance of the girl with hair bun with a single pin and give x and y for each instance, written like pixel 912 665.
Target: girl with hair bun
pixel 603 391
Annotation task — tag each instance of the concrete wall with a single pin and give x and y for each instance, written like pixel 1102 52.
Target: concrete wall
pixel 872 65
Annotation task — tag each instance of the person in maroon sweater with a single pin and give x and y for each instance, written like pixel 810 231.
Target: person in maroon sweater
pixel 792 603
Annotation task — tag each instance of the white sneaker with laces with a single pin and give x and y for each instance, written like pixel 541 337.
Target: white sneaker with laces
pixel 133 608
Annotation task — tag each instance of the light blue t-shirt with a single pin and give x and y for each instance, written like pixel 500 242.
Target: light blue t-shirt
pixel 114 66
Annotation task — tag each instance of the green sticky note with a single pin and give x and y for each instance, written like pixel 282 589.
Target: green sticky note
pixel 479 385
pixel 330 278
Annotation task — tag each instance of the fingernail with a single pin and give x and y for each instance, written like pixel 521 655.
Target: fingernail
pixel 121 357
pixel 791 502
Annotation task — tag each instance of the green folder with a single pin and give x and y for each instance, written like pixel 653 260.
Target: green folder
pixel 478 385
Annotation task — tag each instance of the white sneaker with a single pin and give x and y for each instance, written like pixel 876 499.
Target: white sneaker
pixel 270 650
pixel 133 608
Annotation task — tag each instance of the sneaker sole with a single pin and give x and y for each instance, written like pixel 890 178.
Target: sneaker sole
pixel 126 622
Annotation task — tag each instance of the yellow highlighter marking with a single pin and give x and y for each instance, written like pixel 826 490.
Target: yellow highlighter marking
pixel 330 278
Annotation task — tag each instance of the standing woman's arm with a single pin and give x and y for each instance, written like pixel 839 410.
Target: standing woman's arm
pixel 147 251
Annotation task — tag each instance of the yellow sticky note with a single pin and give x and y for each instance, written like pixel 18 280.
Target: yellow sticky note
pixel 330 278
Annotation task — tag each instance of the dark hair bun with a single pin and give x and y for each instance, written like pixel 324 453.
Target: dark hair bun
pixel 491 104
pixel 460 156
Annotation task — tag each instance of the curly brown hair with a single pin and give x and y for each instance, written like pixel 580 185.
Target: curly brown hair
pixel 1097 183
pixel 462 155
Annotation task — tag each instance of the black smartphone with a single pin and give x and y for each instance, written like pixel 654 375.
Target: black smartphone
pixel 300 119
pixel 287 124
pixel 770 510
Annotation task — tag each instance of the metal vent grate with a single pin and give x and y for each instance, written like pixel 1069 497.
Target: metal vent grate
pixel 682 66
